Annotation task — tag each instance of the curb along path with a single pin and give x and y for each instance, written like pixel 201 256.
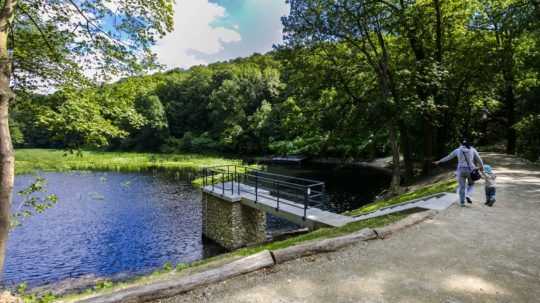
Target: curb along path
pixel 252 263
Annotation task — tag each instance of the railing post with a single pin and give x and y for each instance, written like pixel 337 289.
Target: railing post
pixel 204 177
pixel 237 180
pixel 305 203
pixel 277 194
pixel 212 174
pixel 323 194
pixel 231 178
pixel 256 188
pixel 223 183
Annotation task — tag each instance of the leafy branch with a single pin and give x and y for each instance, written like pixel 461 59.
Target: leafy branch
pixel 35 201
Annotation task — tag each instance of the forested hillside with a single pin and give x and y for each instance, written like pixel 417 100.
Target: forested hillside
pixel 415 78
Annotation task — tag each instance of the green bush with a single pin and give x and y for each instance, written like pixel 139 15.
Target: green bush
pixel 171 145
pixel 190 143
pixel 528 137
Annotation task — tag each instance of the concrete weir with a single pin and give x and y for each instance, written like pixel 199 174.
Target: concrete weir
pixel 235 218
pixel 236 201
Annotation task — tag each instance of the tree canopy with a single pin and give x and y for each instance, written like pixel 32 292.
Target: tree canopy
pixel 353 79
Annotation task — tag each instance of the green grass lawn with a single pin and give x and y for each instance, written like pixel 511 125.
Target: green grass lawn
pixel 29 160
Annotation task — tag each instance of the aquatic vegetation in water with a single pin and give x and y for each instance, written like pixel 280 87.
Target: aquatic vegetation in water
pixel 96 196
pixel 126 183
pixel 28 160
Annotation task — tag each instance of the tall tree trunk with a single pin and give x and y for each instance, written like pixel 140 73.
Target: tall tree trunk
pixel 407 152
pixel 508 94
pixel 510 102
pixel 428 145
pixel 396 174
pixel 7 159
pixel 439 55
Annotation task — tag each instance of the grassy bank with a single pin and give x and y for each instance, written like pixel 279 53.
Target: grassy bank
pixel 439 187
pixel 28 160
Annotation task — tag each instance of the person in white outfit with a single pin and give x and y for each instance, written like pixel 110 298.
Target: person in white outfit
pixel 468 157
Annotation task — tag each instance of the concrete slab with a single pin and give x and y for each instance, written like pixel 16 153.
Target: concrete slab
pixel 436 202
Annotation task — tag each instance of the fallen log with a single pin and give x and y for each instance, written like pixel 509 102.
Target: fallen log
pixel 321 246
pixel 386 231
pixel 174 287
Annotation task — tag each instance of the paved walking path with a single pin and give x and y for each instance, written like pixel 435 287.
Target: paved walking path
pixel 473 254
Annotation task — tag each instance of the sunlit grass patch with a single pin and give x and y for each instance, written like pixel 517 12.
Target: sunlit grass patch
pixel 29 160
pixel 439 187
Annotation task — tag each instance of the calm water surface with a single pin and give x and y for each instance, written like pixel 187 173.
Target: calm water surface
pixel 112 224
pixel 348 187
pixel 106 224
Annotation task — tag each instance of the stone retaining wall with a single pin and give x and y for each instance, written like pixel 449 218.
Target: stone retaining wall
pixel 232 224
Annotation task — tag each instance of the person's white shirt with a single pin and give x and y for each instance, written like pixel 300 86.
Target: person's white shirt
pixel 467 157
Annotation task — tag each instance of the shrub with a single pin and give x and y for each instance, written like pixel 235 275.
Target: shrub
pixel 190 143
pixel 528 137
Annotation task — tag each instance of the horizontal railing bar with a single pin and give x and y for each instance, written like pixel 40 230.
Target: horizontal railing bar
pixel 284 176
pixel 290 203
pixel 217 169
pixel 280 189
pixel 263 177
pixel 298 186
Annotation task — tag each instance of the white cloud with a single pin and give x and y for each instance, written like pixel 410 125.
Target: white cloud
pixel 193 32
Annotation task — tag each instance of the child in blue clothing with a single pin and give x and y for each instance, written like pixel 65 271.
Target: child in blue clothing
pixel 489 178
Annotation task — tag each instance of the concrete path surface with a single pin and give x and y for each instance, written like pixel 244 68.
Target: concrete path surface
pixel 436 202
pixel 472 254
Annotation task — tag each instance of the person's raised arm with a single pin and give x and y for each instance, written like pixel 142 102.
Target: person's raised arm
pixel 450 156
pixel 478 159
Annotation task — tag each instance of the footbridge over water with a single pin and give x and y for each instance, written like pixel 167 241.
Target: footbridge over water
pixel 236 200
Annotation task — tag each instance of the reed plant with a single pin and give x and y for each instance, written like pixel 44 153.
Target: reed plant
pixel 29 160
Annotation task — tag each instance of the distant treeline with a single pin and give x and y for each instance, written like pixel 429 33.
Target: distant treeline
pixel 257 105
pixel 457 72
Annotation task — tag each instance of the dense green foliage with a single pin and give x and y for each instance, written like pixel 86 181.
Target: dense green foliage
pixel 529 137
pixel 428 72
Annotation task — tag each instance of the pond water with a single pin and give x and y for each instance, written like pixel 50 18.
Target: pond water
pixel 105 224
pixel 114 224
pixel 348 187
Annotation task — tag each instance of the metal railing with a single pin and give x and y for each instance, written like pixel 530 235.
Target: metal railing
pixel 259 184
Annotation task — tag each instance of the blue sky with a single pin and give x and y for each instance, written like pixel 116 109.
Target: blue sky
pixel 207 31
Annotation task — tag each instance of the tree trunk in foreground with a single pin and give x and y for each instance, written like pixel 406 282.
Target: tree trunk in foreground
pixel 7 159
